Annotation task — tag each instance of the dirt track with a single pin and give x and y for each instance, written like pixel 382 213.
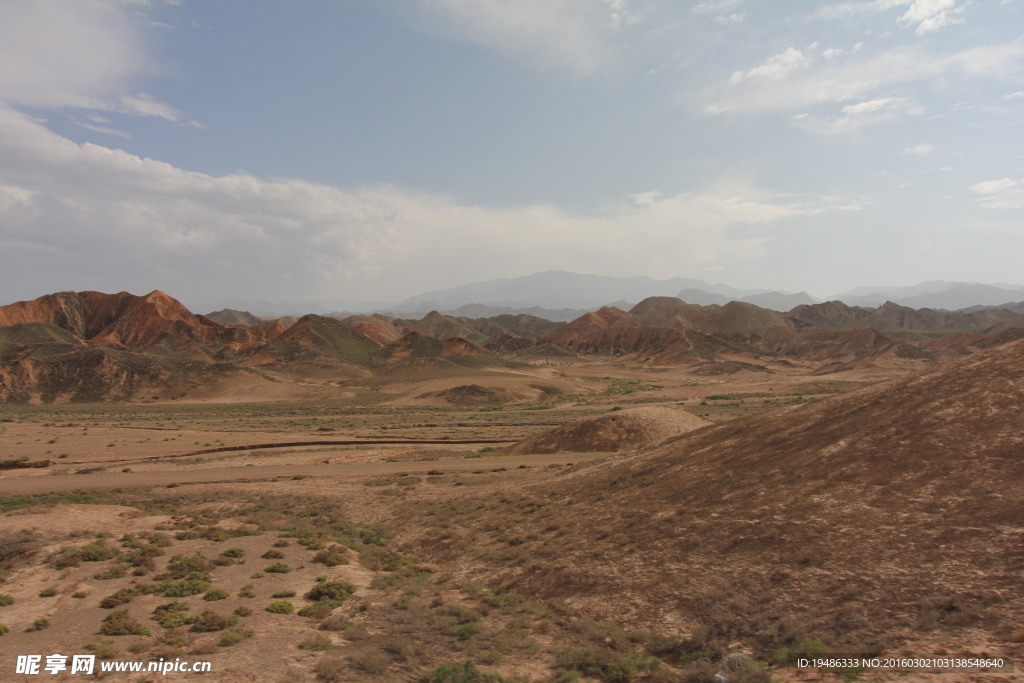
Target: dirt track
pixel 34 485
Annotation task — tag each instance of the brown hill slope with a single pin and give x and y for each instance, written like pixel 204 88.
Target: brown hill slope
pixel 229 316
pixel 634 428
pixel 858 521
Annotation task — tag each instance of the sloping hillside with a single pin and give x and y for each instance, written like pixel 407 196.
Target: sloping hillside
pixel 855 521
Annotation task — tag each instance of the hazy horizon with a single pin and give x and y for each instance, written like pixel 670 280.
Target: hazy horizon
pixel 368 152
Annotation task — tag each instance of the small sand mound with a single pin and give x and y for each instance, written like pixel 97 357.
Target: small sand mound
pixel 728 367
pixel 615 431
pixel 472 394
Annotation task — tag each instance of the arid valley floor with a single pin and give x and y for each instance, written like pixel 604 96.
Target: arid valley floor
pixel 584 515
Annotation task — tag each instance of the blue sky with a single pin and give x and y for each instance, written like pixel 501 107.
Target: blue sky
pixel 364 151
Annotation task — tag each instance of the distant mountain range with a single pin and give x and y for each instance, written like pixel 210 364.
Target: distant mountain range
pixel 563 296
pixel 540 293
pixel 91 346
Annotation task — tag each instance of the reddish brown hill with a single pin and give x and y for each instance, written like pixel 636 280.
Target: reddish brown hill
pixel 231 317
pixel 457 346
pixel 835 315
pixel 422 348
pixel 584 327
pixel 316 342
pixel 120 319
pixel 735 317
pixel 379 328
pixel 442 326
pixel 858 521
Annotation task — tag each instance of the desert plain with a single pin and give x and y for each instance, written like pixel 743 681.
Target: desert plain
pixel 626 501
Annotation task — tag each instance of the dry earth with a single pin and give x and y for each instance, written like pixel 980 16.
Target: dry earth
pixel 525 564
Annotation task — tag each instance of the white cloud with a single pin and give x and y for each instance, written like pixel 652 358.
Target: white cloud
pixel 774 68
pixel 721 11
pixel 931 15
pixel 790 83
pixel 921 150
pixel 925 16
pixel 75 54
pixel 571 36
pixel 98 213
pixel 717 6
pixel 1004 193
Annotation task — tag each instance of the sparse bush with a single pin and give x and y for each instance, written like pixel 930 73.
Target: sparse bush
pixel 211 621
pixel 332 590
pixel 332 556
pixel 193 585
pixel 273 555
pixel 283 594
pixel 320 608
pixel 120 623
pixel 233 553
pixel 316 642
pixel 121 597
pixel 371 662
pixel 104 648
pixel 334 623
pixel 181 566
pixel 246 591
pixel 4 630
pixel 39 625
pixel 216 594
pixel 6 600
pixel 96 551
pixel 233 636
pixel 174 614
pixel 242 611
pixel 467 673
pixel 117 571
pixel 281 607
pixel 331 669
pixel 48 592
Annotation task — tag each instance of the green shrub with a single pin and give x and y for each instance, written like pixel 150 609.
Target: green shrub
pixel 246 591
pixel 233 553
pixel 117 571
pixel 278 568
pixel 181 566
pixel 317 642
pixel 104 648
pixel 174 614
pixel 120 623
pixel 121 597
pixel 281 607
pixel 332 590
pixel 194 584
pixel 467 631
pixel 233 636
pixel 4 630
pixel 96 551
pixel 242 611
pixel 332 556
pixel 39 625
pixel 320 608
pixel 211 621
pixel 216 594
pixel 467 673
pixel 283 594
pixel 6 600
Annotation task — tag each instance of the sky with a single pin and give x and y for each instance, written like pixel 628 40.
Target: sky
pixel 365 151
